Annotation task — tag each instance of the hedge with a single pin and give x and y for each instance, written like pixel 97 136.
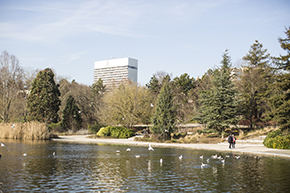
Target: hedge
pixel 115 132
pixel 276 140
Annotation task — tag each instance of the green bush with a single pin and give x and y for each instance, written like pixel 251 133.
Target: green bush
pixel 115 132
pixel 55 127
pixel 277 140
pixel 95 128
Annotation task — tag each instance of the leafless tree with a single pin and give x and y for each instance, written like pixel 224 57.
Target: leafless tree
pixel 12 90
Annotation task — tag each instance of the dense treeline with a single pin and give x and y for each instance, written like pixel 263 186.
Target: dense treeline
pixel 253 93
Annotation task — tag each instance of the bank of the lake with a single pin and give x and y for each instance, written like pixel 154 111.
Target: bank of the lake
pixel 255 149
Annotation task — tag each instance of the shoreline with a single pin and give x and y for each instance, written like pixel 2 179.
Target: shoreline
pixel 255 149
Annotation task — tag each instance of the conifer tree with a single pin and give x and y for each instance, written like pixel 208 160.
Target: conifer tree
pixel 255 80
pixel 43 101
pixel 281 101
pixel 219 104
pixel 71 117
pixel 164 117
pixel 98 90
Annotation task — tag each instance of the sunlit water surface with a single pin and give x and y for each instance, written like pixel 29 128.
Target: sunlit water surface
pixel 98 168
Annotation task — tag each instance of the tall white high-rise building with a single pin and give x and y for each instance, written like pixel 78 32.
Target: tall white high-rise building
pixel 115 71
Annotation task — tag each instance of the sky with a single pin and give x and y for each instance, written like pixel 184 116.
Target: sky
pixel 172 36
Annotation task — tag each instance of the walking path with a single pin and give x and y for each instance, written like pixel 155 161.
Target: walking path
pixel 256 149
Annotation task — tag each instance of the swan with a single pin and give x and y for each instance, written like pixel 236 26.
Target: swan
pixel 128 149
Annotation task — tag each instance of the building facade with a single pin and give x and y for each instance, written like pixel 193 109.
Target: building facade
pixel 113 72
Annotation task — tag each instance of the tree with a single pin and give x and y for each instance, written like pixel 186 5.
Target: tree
pixel 184 97
pixel 127 105
pixel 98 90
pixel 255 79
pixel 156 82
pixel 71 117
pixel 12 88
pixel 164 117
pixel 43 101
pixel 280 102
pixel 83 98
pixel 219 104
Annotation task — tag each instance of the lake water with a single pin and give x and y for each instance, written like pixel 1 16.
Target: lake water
pixel 98 168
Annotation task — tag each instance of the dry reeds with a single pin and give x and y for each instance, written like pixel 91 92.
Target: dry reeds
pixel 29 130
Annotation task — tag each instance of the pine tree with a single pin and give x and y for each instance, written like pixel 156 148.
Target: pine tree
pixel 43 101
pixel 219 104
pixel 255 80
pixel 281 101
pixel 164 117
pixel 71 117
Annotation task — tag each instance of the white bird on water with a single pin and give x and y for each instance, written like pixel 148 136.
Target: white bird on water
pixel 118 151
pixel 150 148
pixel 214 156
pixel 128 149
pixel 180 157
pixel 3 145
pixel 161 160
pixel 202 165
pixel 137 156
pixel 201 157
pixel 25 154
pixel 53 153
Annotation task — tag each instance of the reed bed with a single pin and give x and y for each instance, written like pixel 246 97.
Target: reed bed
pixel 29 130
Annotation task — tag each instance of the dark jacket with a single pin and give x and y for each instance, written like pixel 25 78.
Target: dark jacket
pixel 230 139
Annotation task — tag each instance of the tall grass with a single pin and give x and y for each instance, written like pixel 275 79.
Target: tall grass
pixel 29 130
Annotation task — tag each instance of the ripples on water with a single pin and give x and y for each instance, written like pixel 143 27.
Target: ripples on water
pixel 98 168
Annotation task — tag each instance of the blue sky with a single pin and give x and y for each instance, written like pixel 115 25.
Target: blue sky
pixel 175 36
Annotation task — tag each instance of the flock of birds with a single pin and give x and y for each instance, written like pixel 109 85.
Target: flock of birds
pixel 215 157
pixel 150 148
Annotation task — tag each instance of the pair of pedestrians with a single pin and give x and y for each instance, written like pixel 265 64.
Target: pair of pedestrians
pixel 232 141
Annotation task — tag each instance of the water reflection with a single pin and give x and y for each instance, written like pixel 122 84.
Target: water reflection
pixel 85 167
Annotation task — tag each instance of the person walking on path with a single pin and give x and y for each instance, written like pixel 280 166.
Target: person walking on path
pixel 234 141
pixel 230 140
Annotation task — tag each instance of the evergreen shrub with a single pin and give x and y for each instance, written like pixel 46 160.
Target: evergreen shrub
pixel 115 132
pixel 277 140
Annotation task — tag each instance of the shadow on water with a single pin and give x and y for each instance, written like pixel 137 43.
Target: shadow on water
pixel 85 167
